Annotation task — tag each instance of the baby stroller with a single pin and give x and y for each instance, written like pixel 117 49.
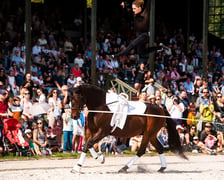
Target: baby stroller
pixel 13 139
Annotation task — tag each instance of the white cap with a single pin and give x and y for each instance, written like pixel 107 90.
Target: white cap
pixel 28 131
pixel 79 79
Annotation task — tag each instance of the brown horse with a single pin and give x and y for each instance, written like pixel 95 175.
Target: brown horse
pixel 98 125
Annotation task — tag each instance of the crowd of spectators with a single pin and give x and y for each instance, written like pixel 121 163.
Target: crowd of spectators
pixel 59 63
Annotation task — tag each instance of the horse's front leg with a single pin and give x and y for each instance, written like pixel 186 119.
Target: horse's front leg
pixel 140 152
pixel 89 146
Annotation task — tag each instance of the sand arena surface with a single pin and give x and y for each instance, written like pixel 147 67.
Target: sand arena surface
pixel 198 167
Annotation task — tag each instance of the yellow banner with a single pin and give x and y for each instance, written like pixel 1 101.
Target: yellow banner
pixel 37 1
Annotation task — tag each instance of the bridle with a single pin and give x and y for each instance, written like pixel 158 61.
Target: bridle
pixel 81 102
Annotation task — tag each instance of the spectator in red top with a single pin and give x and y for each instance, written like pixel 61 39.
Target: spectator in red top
pixel 3 103
pixel 76 70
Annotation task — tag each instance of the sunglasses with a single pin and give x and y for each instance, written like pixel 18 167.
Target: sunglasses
pixel 219 96
pixel 39 123
pixel 208 126
pixel 55 92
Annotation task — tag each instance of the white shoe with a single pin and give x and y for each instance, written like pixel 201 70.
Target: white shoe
pixel 76 169
pixel 101 158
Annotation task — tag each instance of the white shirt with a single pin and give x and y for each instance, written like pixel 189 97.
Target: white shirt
pixel 175 113
pixel 36 50
pixel 79 61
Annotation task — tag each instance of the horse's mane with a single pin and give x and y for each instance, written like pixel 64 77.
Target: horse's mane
pixel 92 94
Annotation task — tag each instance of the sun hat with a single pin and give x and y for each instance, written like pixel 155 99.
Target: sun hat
pixel 179 127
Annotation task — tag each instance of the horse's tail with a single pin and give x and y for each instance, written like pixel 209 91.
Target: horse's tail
pixel 173 137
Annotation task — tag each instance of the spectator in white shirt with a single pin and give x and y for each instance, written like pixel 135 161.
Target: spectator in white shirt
pixel 79 60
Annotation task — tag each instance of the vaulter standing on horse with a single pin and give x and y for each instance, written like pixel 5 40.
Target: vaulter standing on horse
pixel 141 25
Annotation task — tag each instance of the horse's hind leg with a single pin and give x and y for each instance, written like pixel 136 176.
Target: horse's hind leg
pixel 155 142
pixel 140 152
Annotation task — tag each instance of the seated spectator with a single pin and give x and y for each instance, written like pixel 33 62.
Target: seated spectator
pixel 16 108
pixel 152 99
pixel 41 97
pixel 107 144
pixel 40 138
pixel 76 70
pixel 71 81
pixel 101 81
pixel 135 142
pixel 143 97
pixel 207 137
pixel 78 81
pixel 26 104
pixel 197 146
pixel 29 138
pixel 190 135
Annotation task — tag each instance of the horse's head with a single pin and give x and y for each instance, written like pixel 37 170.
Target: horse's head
pixel 77 103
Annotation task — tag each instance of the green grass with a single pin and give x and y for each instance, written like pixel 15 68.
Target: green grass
pixel 60 155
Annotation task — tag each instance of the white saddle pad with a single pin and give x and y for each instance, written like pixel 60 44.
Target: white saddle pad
pixel 122 108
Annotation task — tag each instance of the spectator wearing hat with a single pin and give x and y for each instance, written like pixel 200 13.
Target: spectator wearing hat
pixel 152 99
pixel 150 88
pixel 78 82
pixel 197 146
pixel 67 129
pixel 180 131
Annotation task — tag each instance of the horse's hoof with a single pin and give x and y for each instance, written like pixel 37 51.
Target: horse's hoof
pixel 161 170
pixel 76 169
pixel 102 159
pixel 123 170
